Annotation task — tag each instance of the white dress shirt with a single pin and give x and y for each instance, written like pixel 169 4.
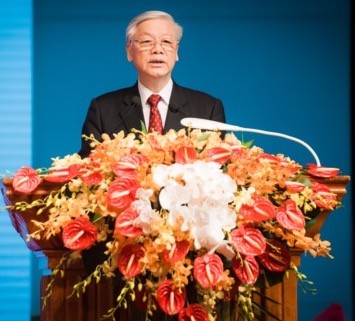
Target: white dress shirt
pixel 163 104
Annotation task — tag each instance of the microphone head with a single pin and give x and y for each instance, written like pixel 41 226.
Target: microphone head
pixel 174 108
pixel 202 123
pixel 135 101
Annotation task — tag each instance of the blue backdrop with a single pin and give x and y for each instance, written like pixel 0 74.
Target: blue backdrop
pixel 278 65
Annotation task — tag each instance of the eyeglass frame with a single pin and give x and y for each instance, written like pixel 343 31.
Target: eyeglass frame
pixel 153 43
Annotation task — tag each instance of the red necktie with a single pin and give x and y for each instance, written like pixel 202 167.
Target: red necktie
pixel 155 123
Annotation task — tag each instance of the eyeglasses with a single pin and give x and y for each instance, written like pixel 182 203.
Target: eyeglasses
pixel 148 44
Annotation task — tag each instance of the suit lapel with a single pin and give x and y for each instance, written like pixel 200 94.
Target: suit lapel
pixel 178 110
pixel 132 112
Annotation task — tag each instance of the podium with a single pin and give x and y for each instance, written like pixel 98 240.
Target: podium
pixel 98 298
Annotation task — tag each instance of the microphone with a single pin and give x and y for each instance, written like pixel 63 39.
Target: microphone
pixel 135 101
pixel 215 125
pixel 174 108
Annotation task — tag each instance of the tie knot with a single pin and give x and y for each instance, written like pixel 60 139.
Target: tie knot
pixel 153 100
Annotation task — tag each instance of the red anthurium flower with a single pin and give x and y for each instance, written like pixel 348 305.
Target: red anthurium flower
pixel 129 163
pixel 185 155
pixel 272 159
pixel 177 252
pixel 276 258
pixel 64 174
pixel 248 241
pixel 320 171
pixel 26 180
pixel 238 154
pixel 193 312
pixel 323 196
pixel 79 234
pixel 154 142
pixel 208 270
pixel 290 216
pixel 90 176
pixel 129 260
pixel 219 155
pixel 125 223
pixel 318 187
pixel 294 187
pixel 283 162
pixel 121 192
pixel 261 210
pixel 171 300
pixel 246 268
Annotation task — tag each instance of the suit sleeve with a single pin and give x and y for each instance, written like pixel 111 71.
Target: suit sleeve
pixel 92 126
pixel 218 112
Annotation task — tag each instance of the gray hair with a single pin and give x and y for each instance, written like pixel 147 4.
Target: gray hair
pixel 147 15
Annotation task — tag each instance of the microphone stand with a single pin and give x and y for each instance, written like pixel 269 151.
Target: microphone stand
pixel 215 125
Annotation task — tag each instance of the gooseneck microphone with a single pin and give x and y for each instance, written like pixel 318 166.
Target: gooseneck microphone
pixel 174 108
pixel 135 101
pixel 215 125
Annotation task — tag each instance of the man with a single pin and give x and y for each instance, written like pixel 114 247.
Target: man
pixel 152 42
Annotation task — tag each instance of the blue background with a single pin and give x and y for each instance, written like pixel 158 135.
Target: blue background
pixel 278 65
pixel 15 150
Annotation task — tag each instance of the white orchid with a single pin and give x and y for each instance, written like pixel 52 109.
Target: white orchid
pixel 200 194
pixel 146 214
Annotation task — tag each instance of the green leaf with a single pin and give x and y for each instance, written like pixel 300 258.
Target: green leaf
pixel 204 136
pixel 95 217
pixel 306 181
pixel 248 144
pixel 144 128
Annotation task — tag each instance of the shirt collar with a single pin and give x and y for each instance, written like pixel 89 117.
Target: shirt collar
pixel 165 93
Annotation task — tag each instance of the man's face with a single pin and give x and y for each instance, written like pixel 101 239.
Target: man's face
pixel 153 49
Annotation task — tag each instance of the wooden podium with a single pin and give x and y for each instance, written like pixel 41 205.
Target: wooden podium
pixel 98 298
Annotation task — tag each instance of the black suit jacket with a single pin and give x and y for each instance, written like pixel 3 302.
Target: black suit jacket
pixel 122 110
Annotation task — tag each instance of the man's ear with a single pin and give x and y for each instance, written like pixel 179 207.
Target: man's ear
pixel 176 56
pixel 128 52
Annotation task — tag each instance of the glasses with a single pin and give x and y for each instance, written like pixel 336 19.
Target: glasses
pixel 148 44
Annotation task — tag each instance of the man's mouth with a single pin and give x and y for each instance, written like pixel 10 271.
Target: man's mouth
pixel 156 62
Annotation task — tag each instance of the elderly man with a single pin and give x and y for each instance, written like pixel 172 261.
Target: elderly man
pixel 152 43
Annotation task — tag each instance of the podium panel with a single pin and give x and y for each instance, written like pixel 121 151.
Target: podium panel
pixel 279 300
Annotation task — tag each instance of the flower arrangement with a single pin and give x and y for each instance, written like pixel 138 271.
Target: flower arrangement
pixel 189 210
